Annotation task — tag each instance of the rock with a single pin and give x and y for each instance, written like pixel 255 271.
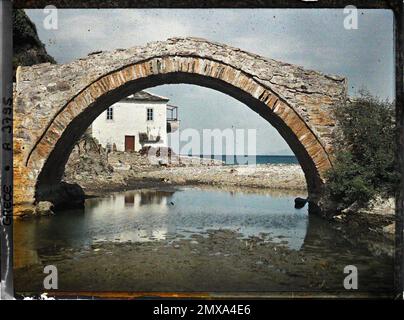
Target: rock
pixel 122 167
pixel 354 207
pixel 300 202
pixel 163 163
pixel 44 208
pixel 390 229
pixel 64 195
pixel 180 180
pixel 339 217
pixel 382 206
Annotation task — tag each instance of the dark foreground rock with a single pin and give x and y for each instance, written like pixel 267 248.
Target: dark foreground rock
pixel 27 47
pixel 62 196
pixel 300 203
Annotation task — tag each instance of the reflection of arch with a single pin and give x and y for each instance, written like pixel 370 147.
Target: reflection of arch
pixel 295 101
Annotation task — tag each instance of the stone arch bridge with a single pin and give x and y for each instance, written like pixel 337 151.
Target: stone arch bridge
pixel 54 104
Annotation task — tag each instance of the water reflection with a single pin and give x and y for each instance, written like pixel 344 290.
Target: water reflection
pixel 292 245
pixel 147 215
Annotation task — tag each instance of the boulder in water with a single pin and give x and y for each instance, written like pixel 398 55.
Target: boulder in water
pixel 44 208
pixel 300 203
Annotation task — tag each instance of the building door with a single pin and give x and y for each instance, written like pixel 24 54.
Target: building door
pixel 129 200
pixel 129 143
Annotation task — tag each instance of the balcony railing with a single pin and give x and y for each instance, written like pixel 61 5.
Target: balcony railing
pixel 147 138
pixel 172 113
pixel 172 119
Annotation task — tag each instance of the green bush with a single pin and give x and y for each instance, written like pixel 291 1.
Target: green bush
pixel 365 164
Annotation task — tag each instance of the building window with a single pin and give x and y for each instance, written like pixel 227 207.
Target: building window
pixel 149 114
pixel 110 113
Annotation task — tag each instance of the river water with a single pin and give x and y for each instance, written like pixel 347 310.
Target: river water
pixel 181 236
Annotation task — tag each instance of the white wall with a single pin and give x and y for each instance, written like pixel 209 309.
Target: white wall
pixel 129 119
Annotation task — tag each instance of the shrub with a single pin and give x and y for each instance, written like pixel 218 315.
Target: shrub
pixel 365 164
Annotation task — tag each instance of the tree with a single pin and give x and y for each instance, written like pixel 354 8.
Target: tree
pixel 365 165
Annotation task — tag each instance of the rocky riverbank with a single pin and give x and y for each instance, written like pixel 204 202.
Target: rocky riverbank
pixel 282 177
pixel 97 171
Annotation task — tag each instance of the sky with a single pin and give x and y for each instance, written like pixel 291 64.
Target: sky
pixel 313 38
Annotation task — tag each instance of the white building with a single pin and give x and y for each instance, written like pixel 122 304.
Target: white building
pixel 141 119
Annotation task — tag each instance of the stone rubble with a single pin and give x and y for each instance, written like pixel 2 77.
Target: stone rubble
pixel 93 168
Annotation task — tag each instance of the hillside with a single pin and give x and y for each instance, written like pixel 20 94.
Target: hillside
pixel 27 47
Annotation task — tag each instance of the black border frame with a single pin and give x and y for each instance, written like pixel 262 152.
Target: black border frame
pixel 396 6
pixel 6 215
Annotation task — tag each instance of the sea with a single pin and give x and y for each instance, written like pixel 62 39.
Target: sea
pixel 258 159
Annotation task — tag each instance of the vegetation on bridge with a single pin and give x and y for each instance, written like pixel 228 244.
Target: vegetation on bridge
pixel 365 165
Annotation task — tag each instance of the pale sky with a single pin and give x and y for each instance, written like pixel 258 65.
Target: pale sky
pixel 314 39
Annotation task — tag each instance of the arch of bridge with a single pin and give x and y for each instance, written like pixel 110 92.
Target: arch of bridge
pixel 54 104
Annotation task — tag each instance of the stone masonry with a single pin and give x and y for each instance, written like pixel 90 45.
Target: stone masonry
pixel 54 104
